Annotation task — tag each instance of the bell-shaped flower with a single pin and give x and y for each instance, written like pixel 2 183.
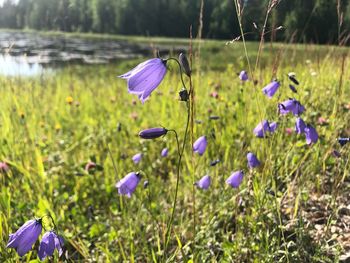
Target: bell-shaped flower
pixel 291 105
pixel 243 76
pixel 343 141
pixel 271 88
pixel 300 126
pixel 200 145
pixel 137 158
pixel 25 236
pixel 49 242
pixel 164 152
pixel 311 134
pixel 263 127
pixel 153 133
pixel 128 184
pixel 145 77
pixel 204 182
pixel 235 179
pixel 252 160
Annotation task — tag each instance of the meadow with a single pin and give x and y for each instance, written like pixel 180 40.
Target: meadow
pixel 293 208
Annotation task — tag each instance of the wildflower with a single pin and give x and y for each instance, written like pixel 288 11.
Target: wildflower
pixel 4 168
pixel 164 152
pixel 200 145
pixel 291 105
pixel 300 126
pixel 183 93
pixel 291 76
pixel 153 133
pixel 25 236
pixel 343 141
pixel 48 243
pixel 311 134
pixel 292 88
pixel 137 158
pixel 128 184
pixel 145 77
pixel 263 127
pixel 243 76
pixel 322 121
pixel 235 179
pixel 214 94
pixel 89 166
pixel 215 162
pixel 252 160
pixel 184 64
pixel 271 88
pixel 204 182
pixel 69 100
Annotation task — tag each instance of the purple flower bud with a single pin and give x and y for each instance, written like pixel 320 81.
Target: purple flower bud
pixel 336 154
pixel 291 76
pixel 243 76
pixel 252 160
pixel 164 152
pixel 25 237
pixel 153 133
pixel 184 64
pixel 215 162
pixel 235 179
pixel 145 77
pixel 200 145
pixel 343 141
pixel 48 243
pixel 292 88
pixel 291 105
pixel 128 184
pixel 311 134
pixel 271 88
pixel 264 127
pixel 137 158
pixel 145 184
pixel 204 182
pixel 300 126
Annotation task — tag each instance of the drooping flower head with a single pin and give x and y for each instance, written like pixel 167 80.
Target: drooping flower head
pixel 204 182
pixel 128 184
pixel 291 105
pixel 164 152
pixel 311 134
pixel 243 75
pixel 300 126
pixel 292 77
pixel 235 179
pixel 200 145
pixel 153 133
pixel 49 243
pixel 271 88
pixel 343 141
pixel 292 88
pixel 25 236
pixel 252 160
pixel 185 65
pixel 145 77
pixel 264 127
pixel 215 162
pixel 137 158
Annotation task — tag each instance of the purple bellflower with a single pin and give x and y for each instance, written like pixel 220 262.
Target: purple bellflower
pixel 153 133
pixel 252 160
pixel 343 141
pixel 243 76
pixel 200 145
pixel 164 152
pixel 291 105
pixel 263 127
pixel 300 126
pixel 204 182
pixel 235 179
pixel 271 88
pixel 137 158
pixel 145 77
pixel 311 134
pixel 25 236
pixel 127 185
pixel 292 88
pixel 49 243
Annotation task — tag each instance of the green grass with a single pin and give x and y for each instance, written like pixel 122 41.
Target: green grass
pixel 47 142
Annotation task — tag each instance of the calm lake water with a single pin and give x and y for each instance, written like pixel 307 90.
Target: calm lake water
pixel 32 53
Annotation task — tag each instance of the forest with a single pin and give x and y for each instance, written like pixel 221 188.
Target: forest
pixel 311 21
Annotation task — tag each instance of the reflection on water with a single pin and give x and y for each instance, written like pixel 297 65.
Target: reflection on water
pixel 20 65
